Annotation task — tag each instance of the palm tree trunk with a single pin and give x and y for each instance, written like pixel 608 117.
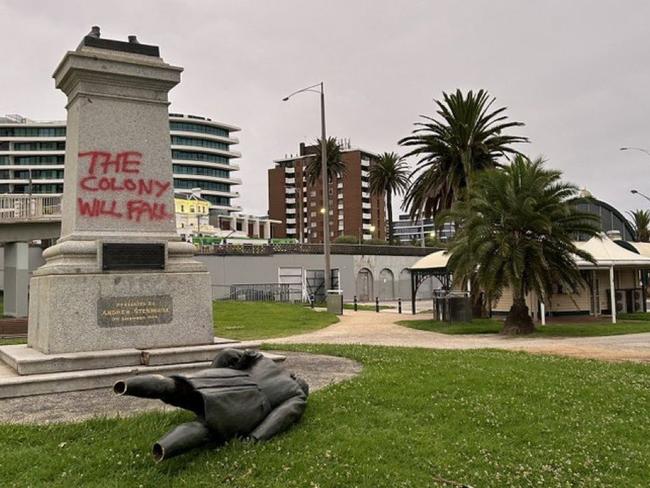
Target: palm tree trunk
pixel 518 321
pixel 389 207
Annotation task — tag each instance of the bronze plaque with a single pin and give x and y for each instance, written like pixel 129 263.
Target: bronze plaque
pixel 139 310
pixel 122 256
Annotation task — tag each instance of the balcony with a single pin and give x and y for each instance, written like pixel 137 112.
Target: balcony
pixel 291 211
pixel 290 181
pixel 290 200
pixel 365 195
pixel 290 191
pixel 365 163
pixel 23 208
pixel 291 221
pixel 366 215
pixel 366 205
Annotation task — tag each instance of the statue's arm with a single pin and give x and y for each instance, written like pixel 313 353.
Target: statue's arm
pixel 280 419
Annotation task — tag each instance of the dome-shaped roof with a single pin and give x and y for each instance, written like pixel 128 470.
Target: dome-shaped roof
pixel 435 260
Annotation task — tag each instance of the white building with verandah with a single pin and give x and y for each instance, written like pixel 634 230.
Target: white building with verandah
pixel 618 276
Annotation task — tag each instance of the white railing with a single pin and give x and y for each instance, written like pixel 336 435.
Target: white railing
pixel 25 208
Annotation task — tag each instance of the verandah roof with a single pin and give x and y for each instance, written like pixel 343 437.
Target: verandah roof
pixel 435 260
pixel 606 252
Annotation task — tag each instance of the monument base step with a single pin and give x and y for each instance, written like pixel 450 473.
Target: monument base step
pixel 44 383
pixel 27 361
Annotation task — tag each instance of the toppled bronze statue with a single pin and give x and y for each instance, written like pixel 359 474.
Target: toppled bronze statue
pixel 241 394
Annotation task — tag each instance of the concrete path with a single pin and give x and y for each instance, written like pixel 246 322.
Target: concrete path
pixel 373 328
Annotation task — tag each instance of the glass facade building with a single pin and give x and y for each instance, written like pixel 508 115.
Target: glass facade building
pixel 32 157
pixel 407 230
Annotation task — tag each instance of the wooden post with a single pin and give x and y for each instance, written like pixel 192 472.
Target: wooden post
pixel 413 292
pixel 612 293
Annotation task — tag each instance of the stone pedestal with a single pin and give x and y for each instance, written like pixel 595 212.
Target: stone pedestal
pixel 146 291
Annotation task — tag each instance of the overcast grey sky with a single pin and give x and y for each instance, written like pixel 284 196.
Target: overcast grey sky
pixel 576 72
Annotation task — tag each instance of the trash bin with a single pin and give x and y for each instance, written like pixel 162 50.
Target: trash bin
pixel 453 307
pixel 335 301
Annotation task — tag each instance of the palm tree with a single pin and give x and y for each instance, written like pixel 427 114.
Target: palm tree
pixel 335 164
pixel 641 224
pixel 516 230
pixel 389 175
pixel 467 138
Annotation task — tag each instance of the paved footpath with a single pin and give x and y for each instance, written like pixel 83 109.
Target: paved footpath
pixel 380 329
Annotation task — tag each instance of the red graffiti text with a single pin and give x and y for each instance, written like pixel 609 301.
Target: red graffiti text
pixel 116 173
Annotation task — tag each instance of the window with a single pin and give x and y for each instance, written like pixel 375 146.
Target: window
pixel 196 156
pixel 39 146
pixel 25 160
pixel 32 131
pixel 206 185
pixel 181 169
pixel 51 188
pixel 193 141
pixel 216 200
pixel 40 174
pixel 182 208
pixel 204 129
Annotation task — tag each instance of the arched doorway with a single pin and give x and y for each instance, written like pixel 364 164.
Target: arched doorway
pixel 364 285
pixel 386 285
pixel 404 284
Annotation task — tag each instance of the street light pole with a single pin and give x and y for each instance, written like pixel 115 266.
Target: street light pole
pixel 326 205
pixel 326 193
pixel 634 149
pixel 637 192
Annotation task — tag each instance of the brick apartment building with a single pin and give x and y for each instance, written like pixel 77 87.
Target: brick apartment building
pixel 354 211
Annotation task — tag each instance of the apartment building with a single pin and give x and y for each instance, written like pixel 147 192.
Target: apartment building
pixel 298 205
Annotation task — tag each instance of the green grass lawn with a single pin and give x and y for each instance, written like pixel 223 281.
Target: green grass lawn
pixel 634 316
pixel 264 320
pixel 256 320
pixel 414 416
pixel 12 340
pixel 491 326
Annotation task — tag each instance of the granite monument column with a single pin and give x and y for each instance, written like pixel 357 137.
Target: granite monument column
pixel 119 276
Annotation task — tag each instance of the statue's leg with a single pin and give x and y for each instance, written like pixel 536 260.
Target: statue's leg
pixel 146 386
pixel 180 439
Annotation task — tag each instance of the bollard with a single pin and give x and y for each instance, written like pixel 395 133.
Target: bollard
pixel 311 300
pixel 399 305
pixel 376 304
pixel 355 303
